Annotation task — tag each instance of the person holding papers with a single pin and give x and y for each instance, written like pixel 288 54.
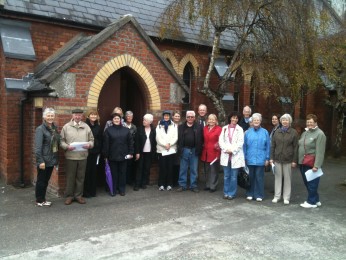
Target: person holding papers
pixel 211 152
pixel 190 140
pixel 284 155
pixel 76 139
pixel 166 139
pixel 312 142
pixel 231 142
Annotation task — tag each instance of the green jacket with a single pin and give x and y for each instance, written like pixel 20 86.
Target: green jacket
pixel 312 141
pixel 284 146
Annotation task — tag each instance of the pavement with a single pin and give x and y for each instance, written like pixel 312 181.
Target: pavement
pixel 152 224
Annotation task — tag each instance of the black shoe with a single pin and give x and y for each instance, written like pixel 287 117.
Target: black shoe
pixel 181 189
pixel 136 188
pixel 212 190
pixel 196 190
pixel 144 186
pixel 206 188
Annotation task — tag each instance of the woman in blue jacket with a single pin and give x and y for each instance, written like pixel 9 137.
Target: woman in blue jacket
pixel 257 153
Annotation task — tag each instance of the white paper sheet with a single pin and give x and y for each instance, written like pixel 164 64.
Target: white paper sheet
pixel 213 161
pixel 79 146
pixel 170 151
pixel 310 175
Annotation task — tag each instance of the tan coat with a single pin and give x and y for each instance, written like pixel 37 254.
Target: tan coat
pixel 71 133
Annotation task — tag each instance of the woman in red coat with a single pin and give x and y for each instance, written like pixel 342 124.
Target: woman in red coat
pixel 211 153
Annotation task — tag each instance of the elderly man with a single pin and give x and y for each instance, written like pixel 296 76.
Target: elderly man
pixel 244 122
pixel 190 140
pixel 76 157
pixel 202 114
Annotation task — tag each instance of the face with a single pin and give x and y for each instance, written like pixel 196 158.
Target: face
pixel 129 119
pixel 166 117
pixel 116 120
pixel 234 120
pixel 202 110
pixel 285 122
pixel 92 117
pixel 49 118
pixel 146 122
pixel 190 119
pixel 176 118
pixel 211 121
pixel 77 117
pixel 275 120
pixel 256 122
pixel 246 112
pixel 311 123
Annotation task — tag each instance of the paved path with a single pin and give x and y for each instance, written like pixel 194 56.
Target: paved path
pixel 150 224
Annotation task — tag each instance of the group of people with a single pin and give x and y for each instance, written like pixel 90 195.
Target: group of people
pixel 179 148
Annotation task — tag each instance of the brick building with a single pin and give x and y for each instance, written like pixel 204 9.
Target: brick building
pixel 67 54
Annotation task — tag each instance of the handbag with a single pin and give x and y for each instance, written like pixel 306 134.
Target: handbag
pixel 243 179
pixel 309 159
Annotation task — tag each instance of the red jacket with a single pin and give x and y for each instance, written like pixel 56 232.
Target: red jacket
pixel 211 148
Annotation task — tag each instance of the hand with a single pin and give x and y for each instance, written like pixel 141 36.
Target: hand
pixel 314 169
pixel 168 146
pixel 71 148
pixel 137 156
pixel 271 161
pixel 129 156
pixel 266 163
pixel 229 151
pixel 86 146
pixel 294 164
pixel 42 166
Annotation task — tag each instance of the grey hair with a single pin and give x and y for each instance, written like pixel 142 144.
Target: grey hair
pixel 248 108
pixel 128 113
pixel 286 116
pixel 48 110
pixel 148 117
pixel 257 115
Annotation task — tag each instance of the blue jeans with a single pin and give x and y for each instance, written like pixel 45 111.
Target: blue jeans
pixel 256 174
pixel 189 159
pixel 230 180
pixel 311 186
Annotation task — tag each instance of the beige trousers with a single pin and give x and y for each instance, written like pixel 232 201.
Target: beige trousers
pixel 75 173
pixel 283 171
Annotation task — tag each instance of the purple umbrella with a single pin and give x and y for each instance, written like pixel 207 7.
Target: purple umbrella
pixel 109 178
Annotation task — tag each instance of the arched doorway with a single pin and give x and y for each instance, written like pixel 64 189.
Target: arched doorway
pixel 125 89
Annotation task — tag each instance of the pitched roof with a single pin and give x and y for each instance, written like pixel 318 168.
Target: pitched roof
pixel 103 12
pixel 79 46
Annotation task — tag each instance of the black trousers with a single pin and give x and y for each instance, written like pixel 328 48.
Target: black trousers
pixel 166 170
pixel 90 181
pixel 118 170
pixel 143 171
pixel 43 177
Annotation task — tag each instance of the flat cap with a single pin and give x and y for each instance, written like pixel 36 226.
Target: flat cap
pixel 77 111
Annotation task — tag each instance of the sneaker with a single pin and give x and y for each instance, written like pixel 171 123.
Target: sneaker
pixel 225 197
pixel 249 198
pixel 259 199
pixel 230 198
pixel 196 190
pixel 181 189
pixel 308 205
pixel 275 200
pixel 318 204
pixel 39 204
pixel 162 188
pixel 286 202
pixel 47 203
pixel 169 188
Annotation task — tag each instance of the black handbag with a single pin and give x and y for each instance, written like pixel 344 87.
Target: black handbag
pixel 243 179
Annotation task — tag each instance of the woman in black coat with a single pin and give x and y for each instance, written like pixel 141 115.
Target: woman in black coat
pixel 90 181
pixel 145 150
pixel 117 148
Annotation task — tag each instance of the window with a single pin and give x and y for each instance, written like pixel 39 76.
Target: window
pixel 16 40
pixel 236 101
pixel 187 78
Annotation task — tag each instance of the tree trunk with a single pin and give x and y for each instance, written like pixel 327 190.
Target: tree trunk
pixel 337 147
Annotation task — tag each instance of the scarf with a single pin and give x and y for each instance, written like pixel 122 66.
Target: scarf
pixel 284 129
pixel 165 124
pixel 55 138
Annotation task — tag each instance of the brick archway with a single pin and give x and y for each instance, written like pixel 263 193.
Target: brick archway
pixel 173 60
pixel 188 58
pixel 117 63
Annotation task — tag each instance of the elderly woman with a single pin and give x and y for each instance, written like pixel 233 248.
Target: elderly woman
pixel 257 152
pixel 166 139
pixel 284 155
pixel 145 149
pixel 117 148
pixel 176 166
pixel 231 142
pixel 90 180
pixel 130 174
pixel 312 142
pixel 211 152
pixel 47 140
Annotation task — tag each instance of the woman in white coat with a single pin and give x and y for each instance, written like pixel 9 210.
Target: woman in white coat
pixel 231 143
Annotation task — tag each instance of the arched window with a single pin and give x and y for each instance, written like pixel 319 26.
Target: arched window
pixel 187 78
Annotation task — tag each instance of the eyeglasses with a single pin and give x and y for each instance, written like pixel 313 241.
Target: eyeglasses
pixel 190 117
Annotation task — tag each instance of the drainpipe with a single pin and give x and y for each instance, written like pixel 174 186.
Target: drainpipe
pixel 21 138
